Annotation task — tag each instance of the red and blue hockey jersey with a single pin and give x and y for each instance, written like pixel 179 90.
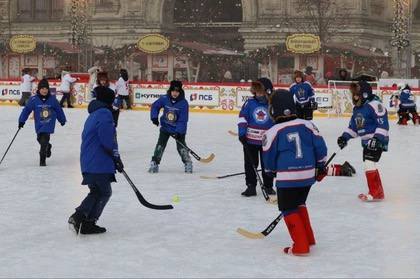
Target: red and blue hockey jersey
pixel 254 120
pixel 293 150
pixel 368 121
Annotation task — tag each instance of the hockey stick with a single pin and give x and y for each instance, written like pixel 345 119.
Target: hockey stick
pixel 223 176
pixel 7 150
pixel 262 234
pixel 260 182
pixel 273 224
pixel 232 133
pixel 198 158
pixel 142 200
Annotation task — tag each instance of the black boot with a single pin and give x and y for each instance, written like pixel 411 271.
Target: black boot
pixel 75 220
pixel 49 146
pixel 250 191
pixel 42 160
pixel 90 227
pixel 270 191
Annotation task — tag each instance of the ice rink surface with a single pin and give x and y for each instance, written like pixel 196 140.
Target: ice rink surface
pixel 198 238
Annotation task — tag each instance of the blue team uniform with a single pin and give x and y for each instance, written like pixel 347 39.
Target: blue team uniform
pixel 303 93
pixel 368 121
pixel 293 150
pixel 46 112
pixel 407 100
pixel 175 114
pixel 254 120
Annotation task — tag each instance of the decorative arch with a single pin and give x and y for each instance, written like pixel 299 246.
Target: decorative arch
pixel 162 11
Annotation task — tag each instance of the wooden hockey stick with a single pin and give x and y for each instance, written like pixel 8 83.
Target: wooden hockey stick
pixel 223 176
pixel 195 155
pixel 262 234
pixel 232 133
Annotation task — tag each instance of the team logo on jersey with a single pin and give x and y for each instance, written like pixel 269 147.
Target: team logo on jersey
pixel 260 115
pixel 360 121
pixel 171 116
pixel 45 113
pixel 380 108
pixel 301 93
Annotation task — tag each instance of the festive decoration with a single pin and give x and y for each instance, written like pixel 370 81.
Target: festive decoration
pixel 400 24
pixel 78 14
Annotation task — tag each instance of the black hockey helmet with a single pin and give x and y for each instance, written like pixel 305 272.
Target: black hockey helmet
pixel 282 106
pixel 361 93
pixel 268 85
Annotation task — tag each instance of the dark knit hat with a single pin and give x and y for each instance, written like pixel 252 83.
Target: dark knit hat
pixel 43 83
pixel 268 85
pixel 176 85
pixel 282 104
pixel 104 94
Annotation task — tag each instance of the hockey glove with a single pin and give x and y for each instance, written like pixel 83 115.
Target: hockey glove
pixel 155 121
pixel 21 124
pixel 63 123
pixel 118 163
pixel 342 142
pixel 242 139
pixel 320 172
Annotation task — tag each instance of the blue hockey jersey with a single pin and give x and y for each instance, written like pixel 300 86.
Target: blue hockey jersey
pixel 175 114
pixel 254 120
pixel 293 150
pixel 407 99
pixel 368 121
pixel 46 111
pixel 303 92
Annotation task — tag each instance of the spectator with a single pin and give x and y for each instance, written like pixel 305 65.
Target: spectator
pixel 310 76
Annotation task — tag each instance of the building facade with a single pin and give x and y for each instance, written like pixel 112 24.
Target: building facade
pixel 243 25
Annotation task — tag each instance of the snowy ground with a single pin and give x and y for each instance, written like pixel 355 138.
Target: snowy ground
pixel 198 238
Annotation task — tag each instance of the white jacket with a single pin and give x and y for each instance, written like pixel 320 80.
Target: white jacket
pixel 26 85
pixel 121 87
pixel 66 82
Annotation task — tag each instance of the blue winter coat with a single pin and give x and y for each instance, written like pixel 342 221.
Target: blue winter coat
pixel 99 141
pixel 175 114
pixel 254 120
pixel 46 111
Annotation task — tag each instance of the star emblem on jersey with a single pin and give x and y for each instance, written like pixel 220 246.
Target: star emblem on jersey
pixel 260 115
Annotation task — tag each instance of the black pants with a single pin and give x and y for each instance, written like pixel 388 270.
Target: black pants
pixel 116 116
pixel 66 96
pixel 123 99
pixel 44 141
pixel 161 145
pixel 93 205
pixel 304 111
pixel 252 156
pixel 25 98
pixel 371 155
pixel 289 199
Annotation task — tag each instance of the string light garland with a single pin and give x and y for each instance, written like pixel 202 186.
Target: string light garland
pixel 400 25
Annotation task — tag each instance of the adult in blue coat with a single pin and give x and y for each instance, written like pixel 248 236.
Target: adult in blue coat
pixel 46 111
pixel 99 158
pixel 173 123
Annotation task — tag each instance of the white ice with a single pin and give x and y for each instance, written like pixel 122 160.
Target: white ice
pixel 198 238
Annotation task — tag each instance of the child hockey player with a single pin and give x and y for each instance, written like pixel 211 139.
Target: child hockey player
pixel 254 120
pixel 103 80
pixel 46 111
pixel 99 158
pixel 407 108
pixel 173 123
pixel 370 122
pixel 123 90
pixel 296 152
pixel 304 96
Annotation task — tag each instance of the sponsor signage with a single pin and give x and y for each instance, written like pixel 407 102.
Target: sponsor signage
pixel 242 95
pixel 202 97
pixel 324 100
pixel 22 44
pixel 10 92
pixel 153 43
pixel 146 96
pixel 303 43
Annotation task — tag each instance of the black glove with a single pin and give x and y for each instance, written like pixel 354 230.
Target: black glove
pixel 342 142
pixel 118 163
pixel 242 139
pixel 176 136
pixel 63 123
pixel 314 105
pixel 270 174
pixel 155 121
pixel 374 144
pixel 320 172
pixel 21 124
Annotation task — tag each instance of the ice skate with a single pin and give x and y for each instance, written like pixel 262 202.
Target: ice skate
pixel 154 168
pixel 188 167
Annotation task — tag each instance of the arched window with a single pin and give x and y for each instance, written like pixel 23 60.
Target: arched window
pixel 39 10
pixel 205 11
